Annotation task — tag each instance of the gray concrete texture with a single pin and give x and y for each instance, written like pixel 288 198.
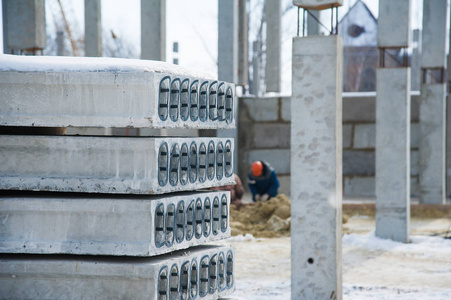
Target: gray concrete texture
pixel 228 40
pixel 116 165
pixel 273 66
pixel 316 168
pixel 393 154
pixel 434 36
pixel 25 24
pixel 153 29
pixel 265 134
pixel 317 4
pixel 114 99
pixel 205 272
pixel 93 28
pixel 393 24
pixel 243 43
pixel 432 152
pixel 119 226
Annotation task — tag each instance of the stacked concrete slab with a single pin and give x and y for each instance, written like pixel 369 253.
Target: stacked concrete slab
pixel 110 209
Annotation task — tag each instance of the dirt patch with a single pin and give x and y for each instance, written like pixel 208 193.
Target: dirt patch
pixel 263 219
pixel 272 218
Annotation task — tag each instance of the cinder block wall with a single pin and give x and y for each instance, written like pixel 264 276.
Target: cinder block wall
pixel 264 134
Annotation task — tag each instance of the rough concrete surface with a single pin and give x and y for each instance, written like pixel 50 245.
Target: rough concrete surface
pixel 393 154
pixel 316 168
pixel 205 272
pixel 116 165
pixel 116 225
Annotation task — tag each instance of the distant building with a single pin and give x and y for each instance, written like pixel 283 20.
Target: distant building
pixel 360 55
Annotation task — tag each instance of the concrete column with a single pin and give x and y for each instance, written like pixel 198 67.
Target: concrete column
pixel 316 168
pixel 228 56
pixel 228 40
pixel 432 105
pixel 60 43
pixel 448 123
pixel 393 126
pixel 273 13
pixel 153 29
pixel 416 61
pixel 393 154
pixel 243 42
pixel 93 28
pixel 255 88
pixel 312 24
pixel 25 25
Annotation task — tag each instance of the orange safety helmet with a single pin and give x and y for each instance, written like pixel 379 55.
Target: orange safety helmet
pixel 257 168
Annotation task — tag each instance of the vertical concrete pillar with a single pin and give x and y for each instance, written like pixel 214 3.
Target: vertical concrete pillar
pixel 243 42
pixel 93 28
pixel 312 24
pixel 416 61
pixel 448 121
pixel 4 31
pixel 228 57
pixel 255 88
pixel 60 43
pixel 228 40
pixel 432 103
pixel 153 29
pixel 273 13
pixel 316 168
pixel 393 126
pixel 25 25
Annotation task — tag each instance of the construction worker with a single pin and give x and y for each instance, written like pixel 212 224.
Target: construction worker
pixel 262 181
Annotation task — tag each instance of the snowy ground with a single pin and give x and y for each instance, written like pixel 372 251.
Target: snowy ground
pixel 372 268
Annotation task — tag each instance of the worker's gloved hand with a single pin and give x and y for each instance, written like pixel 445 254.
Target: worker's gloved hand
pixel 258 198
pixel 265 197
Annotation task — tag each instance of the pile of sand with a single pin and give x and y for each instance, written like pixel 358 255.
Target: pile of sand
pixel 262 219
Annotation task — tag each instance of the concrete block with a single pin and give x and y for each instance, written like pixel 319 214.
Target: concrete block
pixel 101 225
pixel 273 17
pixel 153 29
pixel 393 154
pixel 205 272
pixel 279 159
pixel 414 163
pixel 359 186
pixel 117 165
pixel 347 135
pixel 262 109
pixel 284 184
pixel 93 28
pixel 393 24
pixel 364 136
pixel 316 168
pixel 432 151
pixel 359 109
pixel 414 135
pixel 358 163
pixel 317 4
pixel 272 135
pixel 286 109
pixel 434 36
pixel 106 92
pixel 228 40
pixel 414 186
pixel 25 24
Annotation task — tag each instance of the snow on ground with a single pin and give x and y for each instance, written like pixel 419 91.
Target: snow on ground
pixel 373 268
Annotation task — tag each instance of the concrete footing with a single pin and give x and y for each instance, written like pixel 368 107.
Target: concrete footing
pixel 205 272
pixel 114 165
pixel 100 225
pixel 316 168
